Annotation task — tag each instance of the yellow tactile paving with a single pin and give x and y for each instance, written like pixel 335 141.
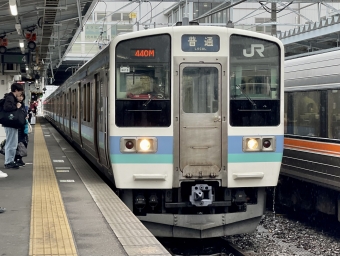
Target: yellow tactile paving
pixel 50 231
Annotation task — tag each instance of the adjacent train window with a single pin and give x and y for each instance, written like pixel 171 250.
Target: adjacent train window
pixel 304 118
pixel 200 90
pixel 143 81
pixel 334 114
pixel 254 82
pixel 315 113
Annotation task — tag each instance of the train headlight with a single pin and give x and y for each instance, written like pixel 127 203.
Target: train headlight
pixel 251 144
pixel 147 145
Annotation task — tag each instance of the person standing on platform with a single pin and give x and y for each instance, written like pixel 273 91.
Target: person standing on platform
pixel 22 132
pixel 11 103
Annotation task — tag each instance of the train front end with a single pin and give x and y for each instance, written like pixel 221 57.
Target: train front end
pixel 196 132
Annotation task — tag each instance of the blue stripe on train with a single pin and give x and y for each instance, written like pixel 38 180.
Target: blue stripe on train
pixel 165 152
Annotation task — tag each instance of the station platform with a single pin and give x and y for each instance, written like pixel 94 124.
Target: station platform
pixel 58 205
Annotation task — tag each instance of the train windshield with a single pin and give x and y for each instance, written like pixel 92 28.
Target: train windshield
pixel 254 82
pixel 143 82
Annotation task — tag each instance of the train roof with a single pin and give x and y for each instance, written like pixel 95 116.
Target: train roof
pixel 321 71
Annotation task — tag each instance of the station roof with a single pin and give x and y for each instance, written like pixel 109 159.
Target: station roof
pixel 312 38
pixel 54 23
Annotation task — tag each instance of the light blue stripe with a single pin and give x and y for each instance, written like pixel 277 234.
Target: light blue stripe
pixel 141 159
pixel 255 157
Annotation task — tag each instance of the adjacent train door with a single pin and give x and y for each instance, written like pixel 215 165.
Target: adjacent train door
pixel 200 137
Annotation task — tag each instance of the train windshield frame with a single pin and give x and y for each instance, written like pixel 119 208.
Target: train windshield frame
pixel 143 82
pixel 255 66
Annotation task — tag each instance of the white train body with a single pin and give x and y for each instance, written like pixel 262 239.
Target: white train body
pixel 187 122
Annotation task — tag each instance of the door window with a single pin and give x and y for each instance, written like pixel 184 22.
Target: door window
pixel 200 90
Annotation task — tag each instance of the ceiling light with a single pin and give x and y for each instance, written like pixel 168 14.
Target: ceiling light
pixel 18 28
pixel 21 43
pixel 13 7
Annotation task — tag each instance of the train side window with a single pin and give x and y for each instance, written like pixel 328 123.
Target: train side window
pixel 88 102
pixel 84 102
pixel 72 103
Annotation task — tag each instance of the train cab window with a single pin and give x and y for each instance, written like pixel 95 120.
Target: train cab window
pixel 143 82
pixel 255 66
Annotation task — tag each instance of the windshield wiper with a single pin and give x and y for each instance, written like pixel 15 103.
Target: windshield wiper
pixel 148 101
pixel 246 95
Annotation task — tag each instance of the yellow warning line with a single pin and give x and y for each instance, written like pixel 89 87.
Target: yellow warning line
pixel 50 231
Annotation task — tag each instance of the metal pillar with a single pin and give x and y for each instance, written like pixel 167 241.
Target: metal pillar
pixel 273 19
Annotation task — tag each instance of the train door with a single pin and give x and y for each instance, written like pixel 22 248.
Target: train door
pixel 79 112
pixel 69 112
pixel 100 119
pixel 64 112
pixel 200 138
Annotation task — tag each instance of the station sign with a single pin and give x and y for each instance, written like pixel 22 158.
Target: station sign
pixel 15 58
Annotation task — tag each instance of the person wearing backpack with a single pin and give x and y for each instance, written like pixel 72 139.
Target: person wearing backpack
pixel 10 104
pixel 22 134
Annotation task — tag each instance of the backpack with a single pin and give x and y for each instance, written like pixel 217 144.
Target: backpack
pixel 2 101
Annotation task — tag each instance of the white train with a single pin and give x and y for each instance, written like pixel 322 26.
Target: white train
pixel 187 123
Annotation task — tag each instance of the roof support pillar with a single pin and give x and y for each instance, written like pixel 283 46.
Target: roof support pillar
pixel 59 44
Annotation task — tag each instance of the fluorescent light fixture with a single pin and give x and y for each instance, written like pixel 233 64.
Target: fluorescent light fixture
pixel 13 7
pixel 21 43
pixel 18 28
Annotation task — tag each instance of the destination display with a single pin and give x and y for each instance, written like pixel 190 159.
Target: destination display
pixel 143 53
pixel 200 43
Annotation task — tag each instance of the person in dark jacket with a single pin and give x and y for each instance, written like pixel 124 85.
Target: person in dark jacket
pixel 10 104
pixel 22 131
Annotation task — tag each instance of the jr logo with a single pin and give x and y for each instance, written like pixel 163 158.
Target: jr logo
pixel 257 47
